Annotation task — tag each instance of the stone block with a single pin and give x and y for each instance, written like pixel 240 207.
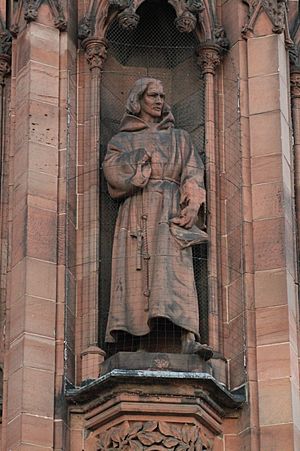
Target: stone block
pixel 266 169
pixel 43 123
pixel 41 234
pixel 42 37
pixel 264 94
pixel 267 200
pixel 37 430
pixel 270 288
pixel 38 352
pixel 18 280
pixel 273 361
pixel 38 398
pixel 39 316
pixel 272 325
pixel 276 437
pixel 262 141
pixel 44 83
pixel 43 159
pixel 269 244
pixel 40 278
pixel 263 58
pixel 275 402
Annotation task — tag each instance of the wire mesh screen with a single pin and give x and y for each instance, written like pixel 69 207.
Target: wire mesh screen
pixel 231 230
pixel 155 49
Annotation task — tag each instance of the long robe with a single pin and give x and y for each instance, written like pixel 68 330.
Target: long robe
pixel 152 276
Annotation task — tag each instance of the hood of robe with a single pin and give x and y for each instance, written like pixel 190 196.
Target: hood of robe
pixel 132 123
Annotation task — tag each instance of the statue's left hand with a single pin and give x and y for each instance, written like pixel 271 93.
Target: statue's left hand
pixel 188 217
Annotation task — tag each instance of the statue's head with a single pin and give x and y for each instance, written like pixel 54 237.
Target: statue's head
pixel 147 99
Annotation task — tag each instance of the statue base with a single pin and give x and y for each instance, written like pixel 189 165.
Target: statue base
pixel 151 401
pixel 156 361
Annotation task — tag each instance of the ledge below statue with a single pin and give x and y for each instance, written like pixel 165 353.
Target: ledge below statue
pixel 141 391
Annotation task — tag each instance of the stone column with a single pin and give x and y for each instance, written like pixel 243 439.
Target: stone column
pixel 92 355
pixel 295 94
pixel 208 59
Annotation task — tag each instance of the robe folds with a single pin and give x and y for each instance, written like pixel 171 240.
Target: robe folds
pixel 155 172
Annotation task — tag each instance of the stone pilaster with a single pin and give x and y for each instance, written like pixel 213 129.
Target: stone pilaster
pixel 92 356
pixel 274 232
pixel 209 57
pixel 30 341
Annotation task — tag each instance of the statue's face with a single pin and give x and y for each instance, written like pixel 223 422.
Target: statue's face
pixel 152 102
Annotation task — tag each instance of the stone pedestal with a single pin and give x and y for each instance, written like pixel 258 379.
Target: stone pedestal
pixel 150 401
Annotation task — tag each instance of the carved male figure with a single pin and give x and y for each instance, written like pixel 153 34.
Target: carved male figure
pixel 158 174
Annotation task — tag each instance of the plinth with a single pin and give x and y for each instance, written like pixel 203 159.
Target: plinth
pixel 150 401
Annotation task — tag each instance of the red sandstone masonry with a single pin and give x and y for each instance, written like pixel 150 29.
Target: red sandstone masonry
pixel 31 345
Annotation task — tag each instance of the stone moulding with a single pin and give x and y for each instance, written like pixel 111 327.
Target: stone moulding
pixel 28 9
pixel 137 410
pixel 191 16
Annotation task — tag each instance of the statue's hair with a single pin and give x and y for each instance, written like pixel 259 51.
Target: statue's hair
pixel 133 104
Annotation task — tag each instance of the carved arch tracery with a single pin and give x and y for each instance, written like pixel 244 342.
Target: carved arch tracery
pixel 29 10
pixel 191 15
pixel 277 12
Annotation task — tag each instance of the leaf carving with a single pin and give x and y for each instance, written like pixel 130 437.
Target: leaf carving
pixel 165 429
pixel 115 436
pixel 124 429
pixel 176 432
pixel 170 442
pixel 135 446
pixel 134 429
pixel 182 447
pixel 193 434
pixel 150 438
pixel 146 438
pixel 136 436
pixel 185 434
pixel 150 426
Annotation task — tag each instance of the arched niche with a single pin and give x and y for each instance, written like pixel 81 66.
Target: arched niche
pixel 157 49
pixel 120 46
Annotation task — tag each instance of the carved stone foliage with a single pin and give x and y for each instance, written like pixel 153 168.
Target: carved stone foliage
pixel 154 436
pixel 295 84
pixel 96 52
pixel 29 10
pixel 128 19
pixel 294 49
pixel 209 57
pixel 275 9
pixel 5 51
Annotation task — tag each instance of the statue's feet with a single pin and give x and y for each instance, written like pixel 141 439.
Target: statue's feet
pixel 194 347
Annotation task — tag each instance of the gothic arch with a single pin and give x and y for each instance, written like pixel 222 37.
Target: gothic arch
pixel 191 15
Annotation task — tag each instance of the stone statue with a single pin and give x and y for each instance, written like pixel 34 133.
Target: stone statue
pixel 157 173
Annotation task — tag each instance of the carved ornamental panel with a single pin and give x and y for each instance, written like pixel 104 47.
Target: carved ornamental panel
pixel 154 436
